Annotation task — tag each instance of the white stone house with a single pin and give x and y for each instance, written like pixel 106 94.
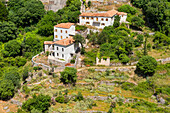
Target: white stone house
pixel 63 46
pixel 100 20
pixel 63 31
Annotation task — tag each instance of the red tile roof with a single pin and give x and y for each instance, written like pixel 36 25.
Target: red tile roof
pixel 64 42
pixel 64 25
pixel 106 14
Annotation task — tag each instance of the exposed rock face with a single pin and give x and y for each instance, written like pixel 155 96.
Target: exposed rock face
pixel 54 5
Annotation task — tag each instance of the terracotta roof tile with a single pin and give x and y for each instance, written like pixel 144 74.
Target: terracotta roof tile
pixel 64 42
pixel 64 25
pixel 106 14
pixel 121 13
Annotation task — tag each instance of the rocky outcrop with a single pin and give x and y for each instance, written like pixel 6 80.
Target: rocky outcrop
pixel 54 5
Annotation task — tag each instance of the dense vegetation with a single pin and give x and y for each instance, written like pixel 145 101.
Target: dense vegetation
pixel 156 13
pixel 25 25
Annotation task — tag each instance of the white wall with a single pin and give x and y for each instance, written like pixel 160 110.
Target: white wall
pixel 107 23
pixel 65 32
pixel 100 21
pixel 123 18
pixel 67 51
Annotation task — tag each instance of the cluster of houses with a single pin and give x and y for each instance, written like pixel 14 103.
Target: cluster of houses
pixel 63 46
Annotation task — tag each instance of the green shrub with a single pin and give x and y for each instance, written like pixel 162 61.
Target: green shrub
pixel 79 97
pixel 59 99
pixel 92 70
pixel 40 102
pixel 143 89
pixel 72 61
pixel 36 88
pixel 80 27
pixel 124 58
pixel 127 86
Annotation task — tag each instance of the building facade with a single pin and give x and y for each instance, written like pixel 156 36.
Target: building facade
pixel 63 46
pixel 63 31
pixel 100 20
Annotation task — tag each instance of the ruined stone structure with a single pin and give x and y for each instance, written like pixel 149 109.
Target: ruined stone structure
pixel 103 61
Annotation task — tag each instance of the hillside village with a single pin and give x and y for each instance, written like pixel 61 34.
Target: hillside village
pixel 84 56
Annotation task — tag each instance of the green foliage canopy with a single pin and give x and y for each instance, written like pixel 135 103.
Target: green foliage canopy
pixel 69 76
pixel 14 76
pixel 146 66
pixel 25 12
pixel 6 89
pixel 40 102
pixel 128 9
pixel 8 31
pixel 3 12
pixel 137 22
pixel 12 48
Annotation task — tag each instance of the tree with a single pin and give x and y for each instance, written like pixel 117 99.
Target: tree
pixel 32 45
pixel 46 24
pixel 40 102
pixel 69 76
pixel 89 3
pixel 6 89
pixel 25 74
pixel 161 40
pixel 137 22
pixel 124 58
pixel 116 21
pixel 145 52
pixel 110 110
pixel 156 14
pixel 3 12
pixel 79 39
pixel 25 12
pixel 146 66
pixel 14 76
pixel 8 31
pixel 128 9
pixel 139 40
pixel 12 48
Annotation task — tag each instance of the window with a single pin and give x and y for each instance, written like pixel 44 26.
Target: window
pixel 92 18
pixel 102 19
pixel 96 19
pixel 57 48
pixel 103 24
pixel 61 31
pixel 106 19
pixel 66 31
pixel 62 55
pixel 83 17
pixel 57 54
pixel 62 49
pixel 55 30
pixel 87 18
pixel 87 22
pixel 61 37
pixel 67 37
pixel 56 36
pixel 53 54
